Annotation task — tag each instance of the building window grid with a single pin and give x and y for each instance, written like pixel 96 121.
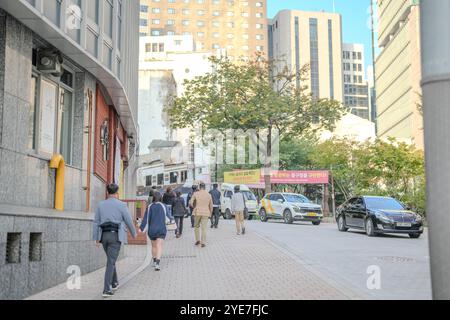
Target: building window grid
pixel 314 48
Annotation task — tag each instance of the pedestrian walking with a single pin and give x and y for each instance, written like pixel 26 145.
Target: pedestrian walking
pixel 154 222
pixel 179 212
pixel 150 195
pixel 201 201
pixel 191 208
pixel 111 221
pixel 167 199
pixel 238 207
pixel 216 197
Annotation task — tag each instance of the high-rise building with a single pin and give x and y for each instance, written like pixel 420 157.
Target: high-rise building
pixel 356 89
pixel 68 127
pixel 298 38
pixel 238 26
pixel 398 72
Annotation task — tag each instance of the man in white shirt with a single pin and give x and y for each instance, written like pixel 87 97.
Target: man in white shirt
pixel 238 208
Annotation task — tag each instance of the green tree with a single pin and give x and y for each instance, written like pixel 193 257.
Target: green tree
pixel 254 95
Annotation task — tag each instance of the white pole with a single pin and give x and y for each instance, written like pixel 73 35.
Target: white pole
pixel 435 47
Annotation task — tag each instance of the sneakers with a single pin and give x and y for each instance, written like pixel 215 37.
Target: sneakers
pixel 197 243
pixel 157 267
pixel 243 230
pixel 203 245
pixel 154 262
pixel 115 287
pixel 107 294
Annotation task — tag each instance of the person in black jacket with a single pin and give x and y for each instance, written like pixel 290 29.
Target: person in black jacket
pixel 216 196
pixel 179 211
pixel 168 198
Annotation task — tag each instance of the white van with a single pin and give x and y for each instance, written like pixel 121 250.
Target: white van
pixel 227 191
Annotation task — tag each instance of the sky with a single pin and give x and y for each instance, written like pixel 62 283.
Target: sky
pixel 355 18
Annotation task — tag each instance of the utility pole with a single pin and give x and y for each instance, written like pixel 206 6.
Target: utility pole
pixel 435 47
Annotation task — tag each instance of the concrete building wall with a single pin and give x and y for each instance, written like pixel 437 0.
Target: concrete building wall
pixel 292 47
pixel 398 72
pixel 27 184
pixel 230 25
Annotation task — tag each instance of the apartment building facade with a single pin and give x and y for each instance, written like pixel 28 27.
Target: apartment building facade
pixel 398 72
pixel 356 88
pixel 68 127
pixel 239 27
pixel 298 38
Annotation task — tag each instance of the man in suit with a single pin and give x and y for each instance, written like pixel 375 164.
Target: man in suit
pixel 112 219
pixel 191 208
pixel 202 203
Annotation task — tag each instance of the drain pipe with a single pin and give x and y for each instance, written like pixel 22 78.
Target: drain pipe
pixel 435 44
pixel 89 153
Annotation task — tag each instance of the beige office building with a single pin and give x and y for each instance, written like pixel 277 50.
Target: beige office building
pixel 398 71
pixel 238 26
pixel 297 38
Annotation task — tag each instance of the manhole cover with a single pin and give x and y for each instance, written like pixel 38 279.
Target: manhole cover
pixel 395 259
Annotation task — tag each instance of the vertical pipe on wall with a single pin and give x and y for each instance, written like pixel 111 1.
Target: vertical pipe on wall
pixel 435 44
pixel 89 155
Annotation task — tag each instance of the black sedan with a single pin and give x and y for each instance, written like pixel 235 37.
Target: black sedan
pixel 378 215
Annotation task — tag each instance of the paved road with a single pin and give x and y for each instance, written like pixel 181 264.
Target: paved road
pixel 345 257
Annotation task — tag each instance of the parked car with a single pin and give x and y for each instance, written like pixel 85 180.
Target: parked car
pixel 227 191
pixel 290 207
pixel 378 215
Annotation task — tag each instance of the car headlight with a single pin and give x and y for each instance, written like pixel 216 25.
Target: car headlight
pixel 383 217
pixel 296 209
pixel 418 218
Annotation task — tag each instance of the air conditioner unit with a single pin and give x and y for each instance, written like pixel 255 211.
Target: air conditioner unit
pixel 50 62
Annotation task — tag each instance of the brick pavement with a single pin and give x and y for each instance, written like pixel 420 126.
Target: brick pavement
pixel 230 267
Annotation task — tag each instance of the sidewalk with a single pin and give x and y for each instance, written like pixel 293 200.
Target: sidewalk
pixel 230 267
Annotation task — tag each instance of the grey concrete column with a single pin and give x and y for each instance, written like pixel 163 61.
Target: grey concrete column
pixel 435 43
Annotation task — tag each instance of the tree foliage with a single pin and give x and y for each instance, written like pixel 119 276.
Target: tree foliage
pixel 255 95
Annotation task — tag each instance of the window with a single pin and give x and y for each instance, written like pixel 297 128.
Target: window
pixel 161 179
pixel 185 11
pixel 148 181
pixel 92 10
pixel 108 18
pixel 161 47
pixel 314 52
pixel 32 115
pixel 170 22
pixel 171 11
pixel 156 10
pixel 173 177
pixel 144 8
pixel 200 23
pixel 156 32
pixel 185 23
pixel 35 247
pixel 156 21
pixel 143 22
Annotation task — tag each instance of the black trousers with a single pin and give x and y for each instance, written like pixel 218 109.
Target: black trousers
pixel 215 217
pixel 111 245
pixel 179 222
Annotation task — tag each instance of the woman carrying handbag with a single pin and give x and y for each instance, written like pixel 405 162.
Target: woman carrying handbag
pixel 154 222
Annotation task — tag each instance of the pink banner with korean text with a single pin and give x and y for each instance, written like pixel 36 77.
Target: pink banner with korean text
pixel 295 177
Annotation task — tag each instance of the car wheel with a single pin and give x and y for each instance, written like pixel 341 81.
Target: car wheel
pixel 370 229
pixel 288 216
pixel 414 235
pixel 341 224
pixel 228 215
pixel 316 223
pixel 263 215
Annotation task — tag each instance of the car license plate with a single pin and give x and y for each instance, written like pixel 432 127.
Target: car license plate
pixel 311 214
pixel 404 224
